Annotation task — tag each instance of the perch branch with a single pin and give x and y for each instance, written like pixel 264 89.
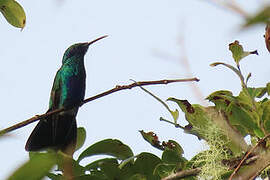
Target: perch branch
pixel 117 88
pixel 247 155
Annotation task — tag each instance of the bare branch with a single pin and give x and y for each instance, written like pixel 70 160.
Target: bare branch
pixel 117 88
pixel 182 174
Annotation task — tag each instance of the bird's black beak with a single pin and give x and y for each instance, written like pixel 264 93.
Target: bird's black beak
pixel 91 42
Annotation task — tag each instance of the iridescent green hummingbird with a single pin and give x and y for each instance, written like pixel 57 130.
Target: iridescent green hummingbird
pixel 59 131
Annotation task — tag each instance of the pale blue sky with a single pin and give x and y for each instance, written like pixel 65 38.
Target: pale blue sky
pixel 137 30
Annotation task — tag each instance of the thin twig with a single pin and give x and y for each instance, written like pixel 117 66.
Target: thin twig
pixel 182 174
pixel 231 5
pixel 175 124
pixel 173 113
pixel 117 88
pixel 247 155
pixel 186 66
pixel 185 62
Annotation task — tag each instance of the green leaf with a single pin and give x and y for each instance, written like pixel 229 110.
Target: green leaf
pixel 13 12
pixel 246 100
pixel 126 162
pixel 97 164
pixel 152 138
pixel 197 161
pixel 194 113
pixel 138 177
pixel 259 133
pixel 260 17
pixel 238 52
pixel 112 147
pixel 163 170
pixel 257 92
pixel 244 118
pixel 173 145
pixel 145 165
pixel 221 99
pixel 107 166
pixel 81 136
pixel 268 88
pixel 111 170
pixel 266 115
pixel 127 170
pixel 91 177
pixel 36 168
pixel 172 157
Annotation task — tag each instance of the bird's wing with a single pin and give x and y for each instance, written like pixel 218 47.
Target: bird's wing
pixel 56 91
pixel 54 104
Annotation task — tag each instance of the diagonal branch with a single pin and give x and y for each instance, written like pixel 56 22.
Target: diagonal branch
pixel 231 5
pixel 117 88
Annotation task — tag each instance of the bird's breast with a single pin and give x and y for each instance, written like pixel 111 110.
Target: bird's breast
pixel 73 88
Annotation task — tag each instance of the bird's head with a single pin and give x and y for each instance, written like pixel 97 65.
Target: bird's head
pixel 78 50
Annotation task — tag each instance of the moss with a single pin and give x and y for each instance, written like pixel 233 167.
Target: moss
pixel 210 160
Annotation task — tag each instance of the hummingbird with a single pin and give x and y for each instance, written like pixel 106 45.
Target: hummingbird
pixel 59 131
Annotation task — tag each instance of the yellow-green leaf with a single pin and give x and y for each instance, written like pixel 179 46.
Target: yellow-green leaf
pixel 238 52
pixel 13 12
pixel 268 88
pixel 152 138
pixel 36 168
pixel 81 136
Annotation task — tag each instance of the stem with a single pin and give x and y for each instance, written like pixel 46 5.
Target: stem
pixel 175 124
pixel 245 88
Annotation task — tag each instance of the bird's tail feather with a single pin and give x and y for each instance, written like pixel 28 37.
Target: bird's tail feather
pixel 59 134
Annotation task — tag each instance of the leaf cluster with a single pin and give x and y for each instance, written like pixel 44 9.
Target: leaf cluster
pixel 121 163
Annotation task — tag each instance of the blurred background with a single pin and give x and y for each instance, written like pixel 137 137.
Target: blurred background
pixel 148 40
